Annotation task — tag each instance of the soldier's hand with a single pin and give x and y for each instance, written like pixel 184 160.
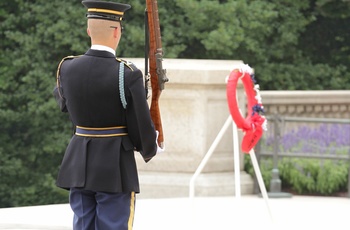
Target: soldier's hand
pixel 159 149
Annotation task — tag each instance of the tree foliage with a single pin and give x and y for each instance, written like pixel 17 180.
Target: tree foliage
pixel 292 44
pixel 33 132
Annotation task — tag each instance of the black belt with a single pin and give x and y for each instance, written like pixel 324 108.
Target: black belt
pixel 101 132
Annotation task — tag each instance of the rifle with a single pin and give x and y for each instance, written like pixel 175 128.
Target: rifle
pixel 157 75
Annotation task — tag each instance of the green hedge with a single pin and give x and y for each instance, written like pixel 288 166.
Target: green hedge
pixel 305 176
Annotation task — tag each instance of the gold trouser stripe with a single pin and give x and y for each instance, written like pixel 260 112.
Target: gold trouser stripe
pixel 106 11
pixel 132 211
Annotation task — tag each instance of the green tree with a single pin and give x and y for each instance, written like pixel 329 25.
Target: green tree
pixel 33 132
pixel 282 39
pixel 326 39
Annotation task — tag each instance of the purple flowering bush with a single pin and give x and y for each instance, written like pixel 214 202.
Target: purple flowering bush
pixel 323 139
pixel 309 175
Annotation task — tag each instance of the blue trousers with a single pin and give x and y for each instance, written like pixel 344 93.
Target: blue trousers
pixel 102 211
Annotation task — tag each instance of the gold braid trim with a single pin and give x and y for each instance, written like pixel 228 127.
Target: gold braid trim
pixel 58 72
pixel 127 64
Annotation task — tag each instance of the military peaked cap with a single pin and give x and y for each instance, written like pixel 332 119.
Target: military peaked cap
pixel 105 10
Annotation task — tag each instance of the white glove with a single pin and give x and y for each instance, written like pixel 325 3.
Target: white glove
pixel 159 149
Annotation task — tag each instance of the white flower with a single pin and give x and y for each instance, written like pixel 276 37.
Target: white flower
pixel 226 79
pixel 258 98
pixel 257 87
pixel 245 68
pixel 264 125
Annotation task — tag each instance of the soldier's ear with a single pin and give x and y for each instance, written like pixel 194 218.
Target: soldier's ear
pixel 115 32
pixel 88 31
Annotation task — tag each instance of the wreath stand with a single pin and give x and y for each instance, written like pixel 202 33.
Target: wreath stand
pixel 232 120
pixel 236 166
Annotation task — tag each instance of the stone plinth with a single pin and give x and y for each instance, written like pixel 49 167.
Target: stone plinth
pixel 193 109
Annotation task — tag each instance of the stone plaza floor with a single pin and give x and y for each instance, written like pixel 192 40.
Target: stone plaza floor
pixel 202 213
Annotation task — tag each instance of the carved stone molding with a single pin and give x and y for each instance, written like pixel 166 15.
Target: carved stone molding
pixel 322 104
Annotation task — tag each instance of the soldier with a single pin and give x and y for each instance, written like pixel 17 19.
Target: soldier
pixel 105 99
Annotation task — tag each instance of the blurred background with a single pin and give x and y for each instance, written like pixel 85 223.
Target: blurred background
pixel 292 45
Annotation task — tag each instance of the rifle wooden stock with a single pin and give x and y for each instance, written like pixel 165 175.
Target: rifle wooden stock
pixel 156 71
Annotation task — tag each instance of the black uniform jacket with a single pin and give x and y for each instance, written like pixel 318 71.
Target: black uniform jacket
pixel 88 89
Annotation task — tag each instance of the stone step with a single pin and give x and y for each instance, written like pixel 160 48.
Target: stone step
pixel 167 185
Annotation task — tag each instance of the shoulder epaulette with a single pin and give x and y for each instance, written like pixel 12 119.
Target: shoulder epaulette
pixel 63 59
pixel 128 64
pixel 58 69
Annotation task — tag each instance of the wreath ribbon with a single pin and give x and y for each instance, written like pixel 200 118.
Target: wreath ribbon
pixel 254 124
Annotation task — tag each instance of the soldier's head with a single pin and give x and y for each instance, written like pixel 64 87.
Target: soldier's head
pixel 105 21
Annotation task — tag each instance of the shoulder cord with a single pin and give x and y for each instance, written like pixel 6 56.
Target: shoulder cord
pixel 121 85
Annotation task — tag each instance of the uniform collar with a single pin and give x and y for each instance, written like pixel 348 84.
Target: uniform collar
pixel 100 53
pixel 103 48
